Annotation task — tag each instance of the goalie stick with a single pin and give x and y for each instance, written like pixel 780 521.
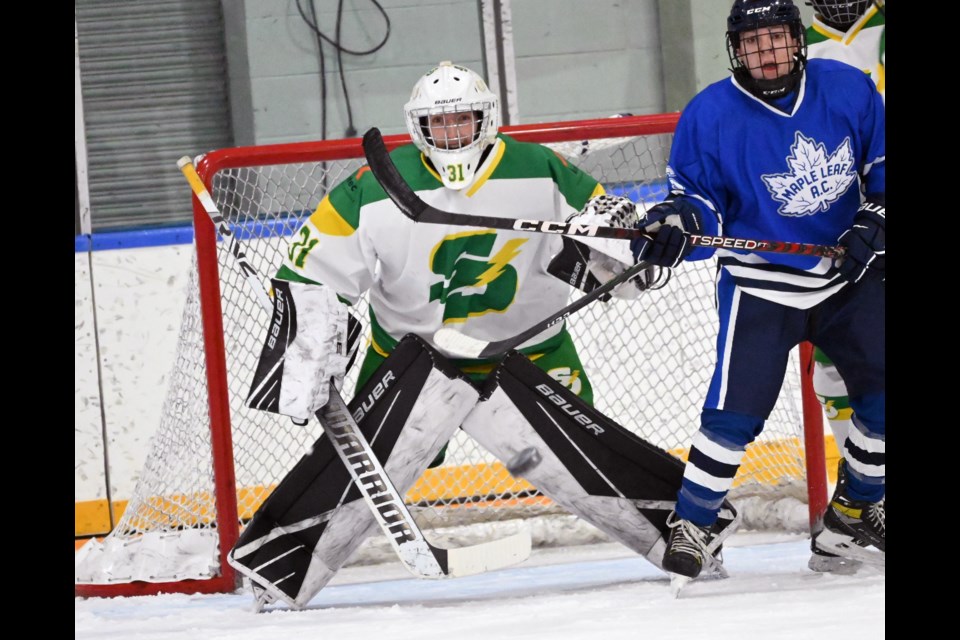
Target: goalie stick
pixel 421 558
pixel 412 206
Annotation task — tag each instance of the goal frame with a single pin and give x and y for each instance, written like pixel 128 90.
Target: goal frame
pixel 208 272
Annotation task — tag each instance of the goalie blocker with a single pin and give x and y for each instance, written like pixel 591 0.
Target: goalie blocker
pixel 589 464
pixel 316 517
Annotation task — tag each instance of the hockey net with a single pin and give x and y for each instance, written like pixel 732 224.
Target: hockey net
pixel 213 461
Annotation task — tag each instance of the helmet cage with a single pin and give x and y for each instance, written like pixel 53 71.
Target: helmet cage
pixel 442 97
pixel 446 136
pixel 751 15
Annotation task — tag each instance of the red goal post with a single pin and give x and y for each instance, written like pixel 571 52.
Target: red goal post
pixel 213 461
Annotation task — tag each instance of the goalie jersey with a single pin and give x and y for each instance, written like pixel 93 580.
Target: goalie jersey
pixel 421 277
pixel 794 174
pixel 862 45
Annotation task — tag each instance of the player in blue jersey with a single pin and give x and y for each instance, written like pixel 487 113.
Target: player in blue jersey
pixel 786 149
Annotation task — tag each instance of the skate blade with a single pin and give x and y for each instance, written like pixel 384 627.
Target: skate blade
pixel 833 564
pixel 842 545
pixel 677 583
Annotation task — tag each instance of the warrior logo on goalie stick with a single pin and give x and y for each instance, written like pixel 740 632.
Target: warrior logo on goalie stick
pixel 369 477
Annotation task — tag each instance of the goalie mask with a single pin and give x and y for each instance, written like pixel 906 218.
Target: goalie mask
pixel 767 46
pixel 453 118
pixel 840 14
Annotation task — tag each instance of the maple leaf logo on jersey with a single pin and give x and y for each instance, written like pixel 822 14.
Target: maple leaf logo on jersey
pixel 815 180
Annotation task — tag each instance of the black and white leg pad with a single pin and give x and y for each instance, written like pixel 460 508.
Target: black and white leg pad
pixel 316 518
pixel 590 465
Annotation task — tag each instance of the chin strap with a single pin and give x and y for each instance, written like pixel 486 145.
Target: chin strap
pixel 770 90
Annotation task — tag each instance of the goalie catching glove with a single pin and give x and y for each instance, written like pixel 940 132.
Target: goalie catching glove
pixel 866 241
pixel 586 263
pixel 669 224
pixel 306 346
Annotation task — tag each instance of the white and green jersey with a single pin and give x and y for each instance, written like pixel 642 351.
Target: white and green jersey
pixel 489 283
pixel 862 45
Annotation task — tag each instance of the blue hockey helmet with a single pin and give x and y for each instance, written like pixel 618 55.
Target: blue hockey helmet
pixel 751 15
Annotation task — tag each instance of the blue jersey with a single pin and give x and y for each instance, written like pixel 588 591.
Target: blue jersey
pixel 796 175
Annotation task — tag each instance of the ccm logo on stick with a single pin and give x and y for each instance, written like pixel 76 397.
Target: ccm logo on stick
pixel 550 226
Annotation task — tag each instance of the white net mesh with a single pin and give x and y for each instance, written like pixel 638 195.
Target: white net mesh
pixel 649 360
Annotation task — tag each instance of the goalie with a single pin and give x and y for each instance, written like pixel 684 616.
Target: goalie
pixel 420 278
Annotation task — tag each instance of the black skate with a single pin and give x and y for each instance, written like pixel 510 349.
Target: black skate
pixel 854 529
pixel 691 549
pixel 822 561
pixel 686 548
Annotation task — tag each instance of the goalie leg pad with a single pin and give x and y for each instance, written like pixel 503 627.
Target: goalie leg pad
pixel 590 465
pixel 316 517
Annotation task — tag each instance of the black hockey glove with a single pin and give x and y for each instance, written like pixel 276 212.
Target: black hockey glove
pixel 669 242
pixel 865 241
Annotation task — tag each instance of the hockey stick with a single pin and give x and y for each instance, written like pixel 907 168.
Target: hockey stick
pixel 462 345
pixel 417 210
pixel 423 559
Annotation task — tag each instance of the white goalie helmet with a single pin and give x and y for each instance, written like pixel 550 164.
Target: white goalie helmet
pixel 452 117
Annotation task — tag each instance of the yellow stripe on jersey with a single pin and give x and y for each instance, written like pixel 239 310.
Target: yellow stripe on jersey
pixel 328 220
pixel 486 172
pixel 376 347
pixel 827 33
pixel 861 23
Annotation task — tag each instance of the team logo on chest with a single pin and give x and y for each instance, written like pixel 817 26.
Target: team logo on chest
pixel 815 179
pixel 476 280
